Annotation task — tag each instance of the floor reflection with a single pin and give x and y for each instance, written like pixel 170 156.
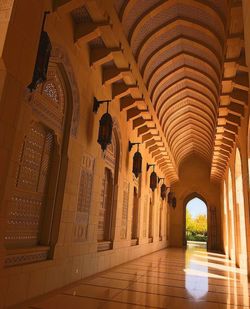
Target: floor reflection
pixel 172 278
pixel 196 274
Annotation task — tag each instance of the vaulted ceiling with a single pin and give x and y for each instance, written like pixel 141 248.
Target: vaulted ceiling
pixel 179 48
pixel 178 69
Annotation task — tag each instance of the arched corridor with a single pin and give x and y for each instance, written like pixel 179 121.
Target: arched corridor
pixel 115 117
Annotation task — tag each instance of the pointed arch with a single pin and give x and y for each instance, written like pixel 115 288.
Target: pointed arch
pixel 37 191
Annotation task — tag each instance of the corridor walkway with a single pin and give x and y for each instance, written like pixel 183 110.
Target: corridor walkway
pixel 171 278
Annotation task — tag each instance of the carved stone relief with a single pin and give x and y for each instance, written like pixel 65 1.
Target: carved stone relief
pixel 29 191
pixel 145 216
pixel 123 232
pixel 48 101
pixel 58 55
pixel 84 198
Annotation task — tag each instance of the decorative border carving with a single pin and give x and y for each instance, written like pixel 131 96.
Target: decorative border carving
pixel 124 216
pixel 145 216
pixel 58 55
pixel 26 258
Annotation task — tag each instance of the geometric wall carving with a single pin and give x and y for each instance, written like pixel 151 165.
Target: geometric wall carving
pixel 28 199
pixel 84 198
pixel 106 203
pixel 49 100
pixel 145 216
pixel 123 231
pixel 19 259
pixel 59 56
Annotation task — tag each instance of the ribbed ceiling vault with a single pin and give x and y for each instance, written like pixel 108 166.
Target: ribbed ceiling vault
pixel 179 48
pixel 177 68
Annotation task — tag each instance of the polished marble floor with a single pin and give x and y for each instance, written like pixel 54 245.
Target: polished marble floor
pixel 170 278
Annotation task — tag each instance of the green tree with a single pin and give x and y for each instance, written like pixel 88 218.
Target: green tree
pixel 189 222
pixel 201 224
pixel 196 228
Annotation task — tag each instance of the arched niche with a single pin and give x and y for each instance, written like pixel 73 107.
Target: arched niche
pixel 109 192
pixel 36 192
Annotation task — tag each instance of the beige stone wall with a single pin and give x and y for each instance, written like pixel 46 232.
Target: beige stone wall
pixel 72 260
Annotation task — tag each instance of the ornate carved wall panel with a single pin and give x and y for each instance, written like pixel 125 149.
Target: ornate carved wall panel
pixel 29 195
pixel 150 220
pixel 124 221
pixel 48 101
pixel 84 198
pixel 134 227
pixel 160 221
pixel 105 207
pixel 32 197
pixel 145 216
pixel 110 154
pixel 58 55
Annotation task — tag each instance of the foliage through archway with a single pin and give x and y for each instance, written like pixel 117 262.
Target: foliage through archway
pixel 196 220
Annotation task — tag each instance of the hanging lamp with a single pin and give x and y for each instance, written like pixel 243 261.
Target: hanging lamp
pixel 42 58
pixel 170 197
pixel 164 189
pixel 174 202
pixel 137 160
pixel 105 125
pixel 153 177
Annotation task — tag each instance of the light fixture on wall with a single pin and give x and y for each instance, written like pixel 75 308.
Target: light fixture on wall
pixel 153 177
pixel 137 159
pixel 172 199
pixel 105 126
pixel 174 202
pixel 164 189
pixel 42 58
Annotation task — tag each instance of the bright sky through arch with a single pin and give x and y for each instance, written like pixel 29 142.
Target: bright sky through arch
pixel 197 207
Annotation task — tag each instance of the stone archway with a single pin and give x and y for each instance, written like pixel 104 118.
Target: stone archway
pixel 189 198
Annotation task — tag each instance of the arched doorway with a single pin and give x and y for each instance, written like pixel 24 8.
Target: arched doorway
pixel 196 222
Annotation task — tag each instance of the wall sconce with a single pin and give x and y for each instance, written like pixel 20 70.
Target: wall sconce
pixel 42 58
pixel 174 202
pixel 153 177
pixel 105 126
pixel 172 199
pixel 137 159
pixel 164 189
